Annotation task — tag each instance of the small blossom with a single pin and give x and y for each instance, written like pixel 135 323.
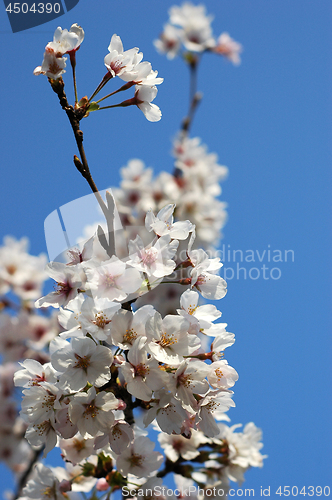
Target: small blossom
pixel 169 42
pixel 144 95
pixel 139 459
pixel 82 362
pixel 65 41
pixel 228 48
pixel 92 412
pixel 52 66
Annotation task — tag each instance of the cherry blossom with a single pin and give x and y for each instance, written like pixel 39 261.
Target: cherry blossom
pixel 68 282
pixel 82 362
pixel 92 412
pixel 163 224
pixel 52 66
pixel 113 280
pixel 139 459
pixel 228 48
pixel 65 41
pixel 142 374
pixel 118 62
pixel 169 41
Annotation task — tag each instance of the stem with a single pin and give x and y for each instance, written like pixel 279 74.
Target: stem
pixel 82 166
pixel 194 96
pixel 27 472
pixel 102 84
pixel 72 56
pixel 121 89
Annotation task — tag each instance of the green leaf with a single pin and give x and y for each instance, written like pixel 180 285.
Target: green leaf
pixel 93 106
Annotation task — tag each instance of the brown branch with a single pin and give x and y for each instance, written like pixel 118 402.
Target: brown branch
pixel 82 166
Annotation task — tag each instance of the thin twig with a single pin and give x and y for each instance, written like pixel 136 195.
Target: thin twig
pixel 27 472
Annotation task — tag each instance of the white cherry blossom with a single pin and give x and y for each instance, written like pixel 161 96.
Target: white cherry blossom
pixel 52 66
pixel 163 224
pixel 68 281
pixel 139 459
pixel 118 62
pixel 113 280
pixel 221 374
pixel 82 362
pixel 168 339
pixel 92 412
pixel 228 48
pixel 43 486
pixel 154 260
pixel 144 95
pixel 169 42
pixel 65 41
pixel 142 374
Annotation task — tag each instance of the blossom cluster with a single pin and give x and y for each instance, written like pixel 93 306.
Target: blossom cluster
pixel 189 26
pixel 23 334
pixel 127 65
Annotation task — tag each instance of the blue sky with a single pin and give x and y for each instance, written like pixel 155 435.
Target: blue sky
pixel 269 121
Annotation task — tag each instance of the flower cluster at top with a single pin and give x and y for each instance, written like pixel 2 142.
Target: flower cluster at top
pixel 127 65
pixel 189 26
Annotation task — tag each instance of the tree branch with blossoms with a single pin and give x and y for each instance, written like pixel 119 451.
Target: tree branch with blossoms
pixel 129 350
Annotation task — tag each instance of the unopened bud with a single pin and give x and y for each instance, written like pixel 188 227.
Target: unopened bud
pixel 102 484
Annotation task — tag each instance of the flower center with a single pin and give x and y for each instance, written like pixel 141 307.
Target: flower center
pixel 82 363
pixel 130 336
pixel 136 460
pixel 141 370
pixel 91 410
pixel 167 340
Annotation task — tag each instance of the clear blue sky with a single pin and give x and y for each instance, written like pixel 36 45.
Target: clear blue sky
pixel 269 120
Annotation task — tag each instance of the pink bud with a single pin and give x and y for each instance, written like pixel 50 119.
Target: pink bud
pixel 122 404
pixel 102 484
pixel 65 485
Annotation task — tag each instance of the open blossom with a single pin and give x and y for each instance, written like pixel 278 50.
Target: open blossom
pixel 144 95
pixel 228 48
pixel 169 42
pixel 163 224
pixel 65 41
pixel 68 282
pixel 127 326
pixel 196 26
pixel 33 373
pixel 199 317
pixel 118 437
pixel 176 446
pixel 113 279
pixel 52 66
pixel 220 374
pixel 168 338
pixel 87 315
pixel 76 448
pixel 154 260
pixel 82 362
pixel 92 412
pixel 139 459
pixel 168 412
pixel 189 379
pixel 118 62
pixel 43 485
pixel 142 374
pixel 212 406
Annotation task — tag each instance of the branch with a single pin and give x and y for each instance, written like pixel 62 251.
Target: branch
pixel 82 166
